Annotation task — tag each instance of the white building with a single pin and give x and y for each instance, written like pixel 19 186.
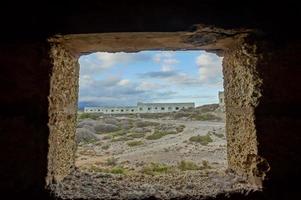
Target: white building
pixel 140 108
pixel 221 99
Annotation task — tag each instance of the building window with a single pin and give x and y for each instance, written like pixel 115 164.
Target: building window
pixel 121 110
pixel 140 108
pixel 169 108
pixel 156 108
pixel 98 110
pixel 162 108
pixel 132 110
pixel 177 108
pixel 112 110
pixel 149 108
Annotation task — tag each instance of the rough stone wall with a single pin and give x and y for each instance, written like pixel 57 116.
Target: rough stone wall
pixel 243 91
pixel 62 113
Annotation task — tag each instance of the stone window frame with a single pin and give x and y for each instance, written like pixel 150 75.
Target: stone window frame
pixel 239 58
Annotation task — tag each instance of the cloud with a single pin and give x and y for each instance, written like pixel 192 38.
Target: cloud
pixel 123 82
pixel 210 68
pixel 165 84
pixel 100 61
pixel 144 85
pixel 158 74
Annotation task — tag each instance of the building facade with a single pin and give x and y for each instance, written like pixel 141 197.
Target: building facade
pixel 140 108
pixel 221 100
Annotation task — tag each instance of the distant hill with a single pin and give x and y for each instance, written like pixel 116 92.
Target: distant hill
pixel 82 104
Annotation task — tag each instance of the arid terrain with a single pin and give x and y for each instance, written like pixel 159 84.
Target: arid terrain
pixel 171 155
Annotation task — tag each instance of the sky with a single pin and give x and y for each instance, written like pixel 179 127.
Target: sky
pixel 123 79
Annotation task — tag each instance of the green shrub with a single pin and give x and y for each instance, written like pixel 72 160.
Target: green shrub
pixel 136 135
pixel 156 168
pixel 114 170
pixel 118 133
pixel 188 165
pixel 206 164
pixel 134 143
pixel 118 170
pixel 105 147
pixel 112 161
pixel 202 139
pixel 219 135
pixel 180 128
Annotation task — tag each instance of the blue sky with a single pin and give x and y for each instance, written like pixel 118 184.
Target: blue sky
pixel 113 79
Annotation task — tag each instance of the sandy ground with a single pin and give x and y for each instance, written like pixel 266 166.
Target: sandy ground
pixel 85 183
pixel 169 149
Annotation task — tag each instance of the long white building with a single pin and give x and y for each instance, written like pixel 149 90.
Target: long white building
pixel 140 108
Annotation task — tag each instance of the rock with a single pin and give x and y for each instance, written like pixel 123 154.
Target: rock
pixel 111 121
pixel 85 135
pixel 86 122
pixel 101 127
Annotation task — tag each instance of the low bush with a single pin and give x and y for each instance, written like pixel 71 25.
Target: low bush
pixel 156 135
pixel 180 128
pixel 114 170
pixel 136 135
pixel 188 165
pixel 134 143
pixel 202 139
pixel 112 161
pixel 105 147
pixel 156 168
pixel 88 115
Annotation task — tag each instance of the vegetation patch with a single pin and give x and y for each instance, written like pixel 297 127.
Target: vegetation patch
pixel 118 133
pixel 156 135
pixel 219 135
pixel 180 128
pixel 112 161
pixel 105 147
pixel 156 168
pixel 136 135
pixel 134 143
pixel 202 139
pixel 188 165
pixel 159 134
pixel 114 170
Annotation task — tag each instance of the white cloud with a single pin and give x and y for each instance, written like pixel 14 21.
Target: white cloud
pixel 210 68
pixel 144 86
pixel 166 68
pixel 98 62
pixel 123 82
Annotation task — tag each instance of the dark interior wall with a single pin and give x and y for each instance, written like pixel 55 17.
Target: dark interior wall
pixel 26 68
pixel 24 83
pixel 278 115
pixel 31 19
